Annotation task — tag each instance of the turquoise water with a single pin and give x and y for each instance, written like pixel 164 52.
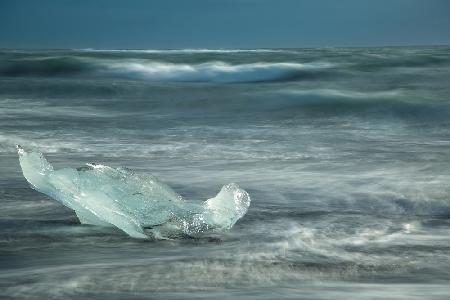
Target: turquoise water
pixel 344 152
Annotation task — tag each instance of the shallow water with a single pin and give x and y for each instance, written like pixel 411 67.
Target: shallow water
pixel 345 153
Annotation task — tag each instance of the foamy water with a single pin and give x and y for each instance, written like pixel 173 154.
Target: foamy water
pixel 344 152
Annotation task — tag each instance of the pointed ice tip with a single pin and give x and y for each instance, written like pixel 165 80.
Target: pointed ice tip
pixel 20 150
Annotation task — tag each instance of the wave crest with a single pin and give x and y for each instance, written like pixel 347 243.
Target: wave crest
pixel 212 71
pixel 150 70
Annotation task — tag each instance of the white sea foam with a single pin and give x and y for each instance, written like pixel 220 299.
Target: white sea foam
pixel 208 72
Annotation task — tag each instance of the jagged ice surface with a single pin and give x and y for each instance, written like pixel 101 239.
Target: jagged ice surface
pixel 137 204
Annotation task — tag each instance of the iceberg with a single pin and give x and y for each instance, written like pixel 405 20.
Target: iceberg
pixel 140 205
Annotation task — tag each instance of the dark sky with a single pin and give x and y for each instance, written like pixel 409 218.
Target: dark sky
pixel 222 23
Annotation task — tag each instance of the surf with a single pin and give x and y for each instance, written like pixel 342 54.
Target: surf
pixel 158 70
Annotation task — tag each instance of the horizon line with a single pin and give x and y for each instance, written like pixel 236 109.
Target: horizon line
pixel 224 48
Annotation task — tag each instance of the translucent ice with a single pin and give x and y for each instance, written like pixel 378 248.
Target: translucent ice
pixel 137 204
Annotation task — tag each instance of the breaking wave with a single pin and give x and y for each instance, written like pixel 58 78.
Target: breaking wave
pixel 212 71
pixel 150 70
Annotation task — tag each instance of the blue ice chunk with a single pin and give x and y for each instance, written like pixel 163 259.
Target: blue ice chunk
pixel 137 204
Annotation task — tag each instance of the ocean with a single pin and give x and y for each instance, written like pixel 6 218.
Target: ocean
pixel 343 151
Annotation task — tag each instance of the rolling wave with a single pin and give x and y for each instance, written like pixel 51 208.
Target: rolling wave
pixel 44 66
pixel 138 69
pixel 212 71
